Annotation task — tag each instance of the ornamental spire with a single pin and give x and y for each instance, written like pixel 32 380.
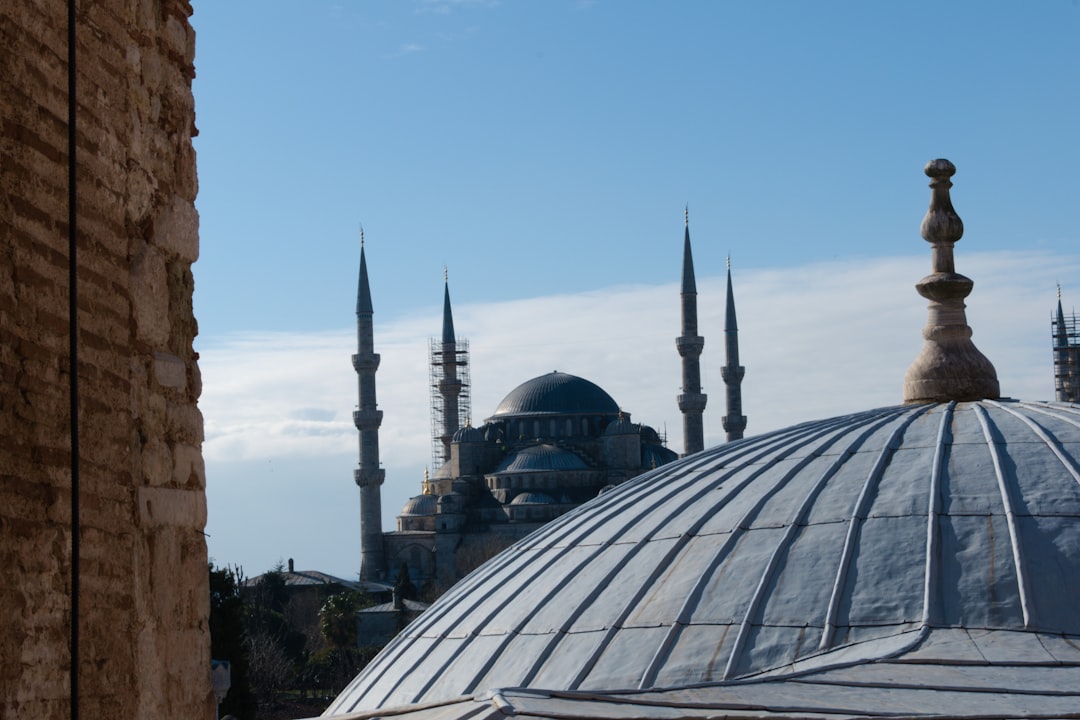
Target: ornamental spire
pixel 949 367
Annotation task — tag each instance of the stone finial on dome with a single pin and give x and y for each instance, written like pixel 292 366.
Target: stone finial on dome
pixel 949 367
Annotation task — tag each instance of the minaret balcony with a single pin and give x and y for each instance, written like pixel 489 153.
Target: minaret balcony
pixel 367 419
pixel 369 477
pixel 733 423
pixel 450 387
pixel 732 374
pixel 365 361
pixel 692 402
pixel 689 345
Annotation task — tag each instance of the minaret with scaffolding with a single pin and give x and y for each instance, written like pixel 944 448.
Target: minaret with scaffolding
pixel 369 475
pixel 734 421
pixel 1066 355
pixel 689 344
pixel 449 384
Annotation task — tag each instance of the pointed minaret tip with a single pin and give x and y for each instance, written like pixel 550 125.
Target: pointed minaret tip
pixel 448 336
pixel 950 367
pixel 689 282
pixel 363 291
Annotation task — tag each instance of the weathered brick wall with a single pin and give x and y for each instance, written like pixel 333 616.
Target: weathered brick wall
pixel 144 637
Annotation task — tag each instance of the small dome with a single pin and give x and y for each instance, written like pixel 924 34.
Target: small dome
pixel 622 426
pixel 468 434
pixel 541 458
pixel 533 498
pixel 420 506
pixel 556 394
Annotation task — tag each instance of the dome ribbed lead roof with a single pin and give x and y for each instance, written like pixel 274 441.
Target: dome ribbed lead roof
pixel 880 535
pixel 556 393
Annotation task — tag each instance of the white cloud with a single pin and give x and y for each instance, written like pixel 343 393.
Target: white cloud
pixel 816 341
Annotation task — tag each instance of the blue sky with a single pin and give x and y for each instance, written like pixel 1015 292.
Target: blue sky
pixel 544 152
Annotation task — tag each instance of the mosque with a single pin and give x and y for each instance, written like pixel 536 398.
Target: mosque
pixel 553 443
pixel 916 561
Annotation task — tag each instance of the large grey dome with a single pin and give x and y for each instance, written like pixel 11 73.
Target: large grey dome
pixel 925 537
pixel 556 393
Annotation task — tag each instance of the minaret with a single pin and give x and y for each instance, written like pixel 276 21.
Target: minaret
pixel 734 421
pixel 1066 379
pixel 692 400
pixel 369 476
pixel 449 382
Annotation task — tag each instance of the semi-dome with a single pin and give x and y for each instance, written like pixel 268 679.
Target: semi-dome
pixel 541 458
pixel 622 426
pixel 532 498
pixel 468 434
pixel 556 393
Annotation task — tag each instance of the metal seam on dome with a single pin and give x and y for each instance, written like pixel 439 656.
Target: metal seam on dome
pixel 478 676
pixel 812 433
pixel 694 597
pixel 857 516
pixel 600 586
pixel 506 560
pixel 1010 516
pixel 784 545
pixel 1055 446
pixel 933 512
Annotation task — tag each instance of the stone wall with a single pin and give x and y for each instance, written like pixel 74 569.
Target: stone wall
pixel 144 637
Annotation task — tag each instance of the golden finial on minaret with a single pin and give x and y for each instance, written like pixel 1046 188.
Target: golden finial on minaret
pixel 445 273
pixel 427 482
pixel 686 215
pixel 729 260
pixel 361 235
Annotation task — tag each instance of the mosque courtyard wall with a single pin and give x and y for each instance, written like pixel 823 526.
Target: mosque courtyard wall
pixel 144 646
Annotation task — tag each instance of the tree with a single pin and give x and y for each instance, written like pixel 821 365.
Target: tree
pixel 228 639
pixel 342 659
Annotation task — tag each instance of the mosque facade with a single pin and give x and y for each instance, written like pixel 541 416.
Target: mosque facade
pixel 553 443
pixel 916 561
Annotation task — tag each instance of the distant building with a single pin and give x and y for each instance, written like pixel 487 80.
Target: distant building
pixel 553 443
pixel 318 583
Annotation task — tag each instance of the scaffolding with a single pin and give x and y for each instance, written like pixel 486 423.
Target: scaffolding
pixel 1066 357
pixel 450 398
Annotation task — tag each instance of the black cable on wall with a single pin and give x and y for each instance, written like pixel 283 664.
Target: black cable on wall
pixel 73 369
